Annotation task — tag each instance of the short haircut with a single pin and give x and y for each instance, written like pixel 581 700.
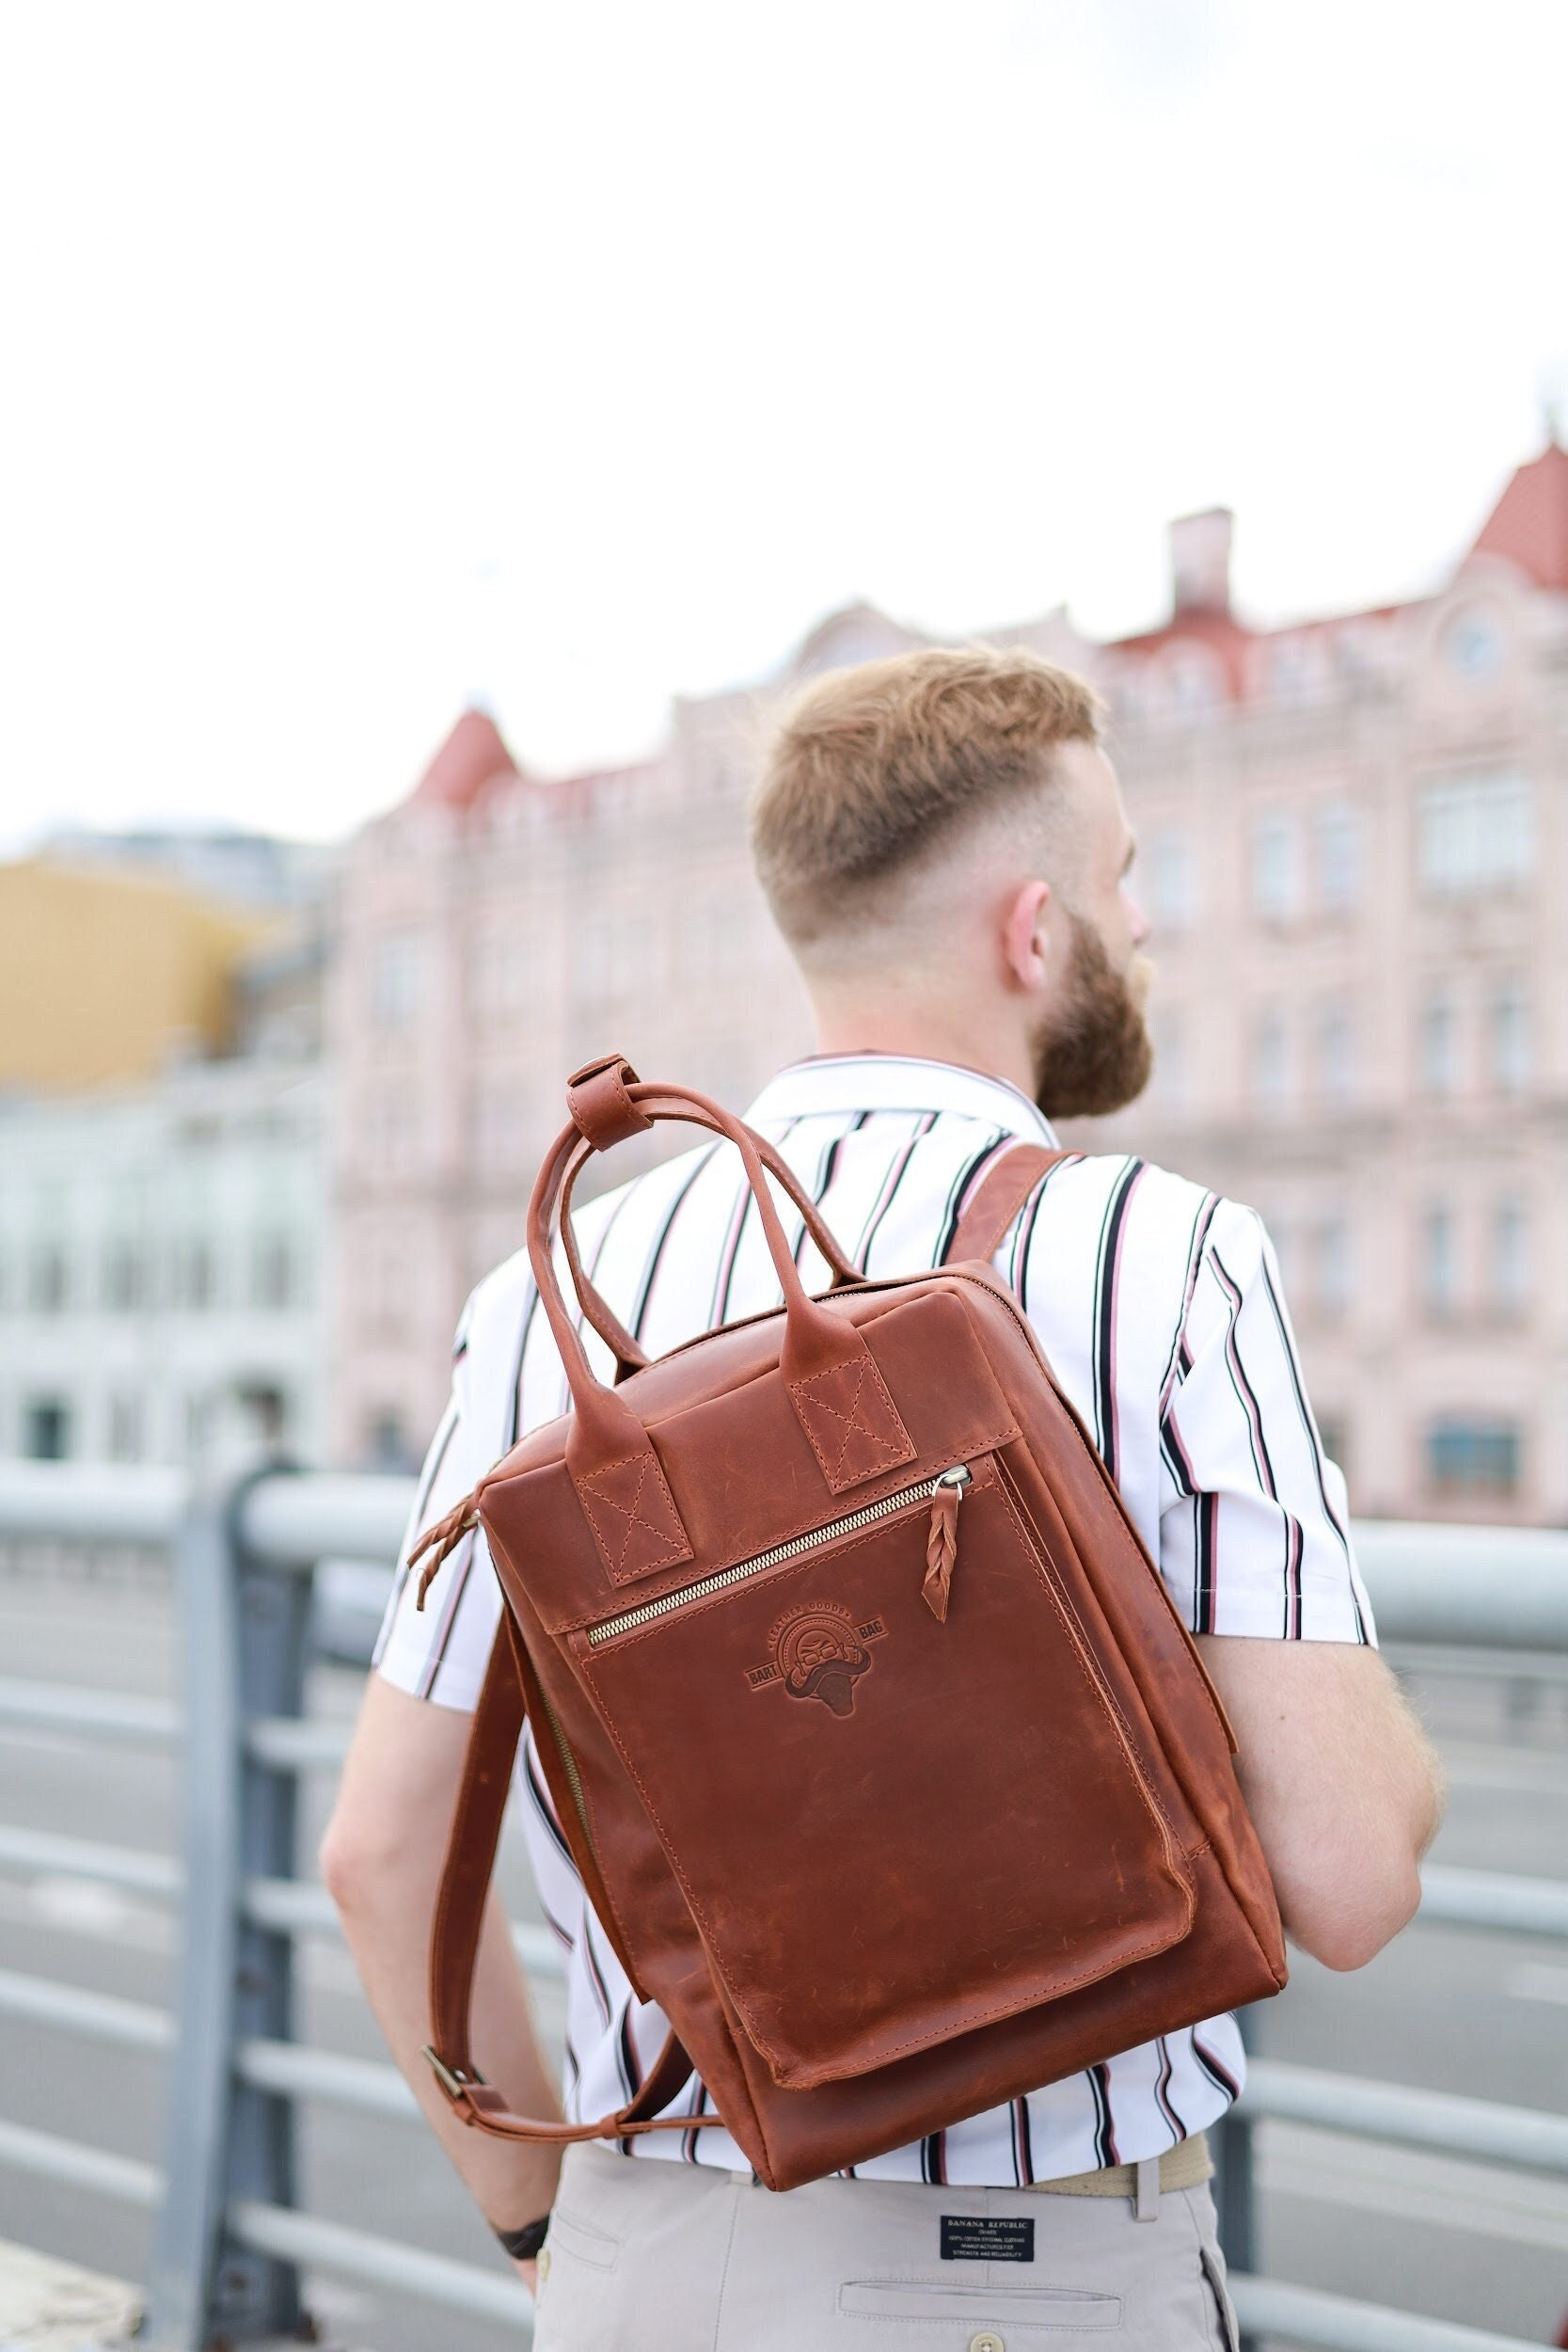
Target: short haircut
pixel 873 767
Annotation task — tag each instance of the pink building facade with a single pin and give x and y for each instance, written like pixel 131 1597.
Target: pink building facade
pixel 1355 847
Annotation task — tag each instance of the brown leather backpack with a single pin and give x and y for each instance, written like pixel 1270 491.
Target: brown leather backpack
pixel 889 1767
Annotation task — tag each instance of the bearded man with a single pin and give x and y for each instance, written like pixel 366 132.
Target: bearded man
pixel 943 845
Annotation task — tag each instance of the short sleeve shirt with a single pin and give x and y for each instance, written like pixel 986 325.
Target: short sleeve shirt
pixel 1159 1308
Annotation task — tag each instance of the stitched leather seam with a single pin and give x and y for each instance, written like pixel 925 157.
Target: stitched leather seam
pixel 853 1426
pixel 971 2019
pixel 1135 1746
pixel 673 1551
pixel 1045 1569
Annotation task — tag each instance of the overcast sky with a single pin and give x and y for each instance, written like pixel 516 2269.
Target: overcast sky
pixel 362 360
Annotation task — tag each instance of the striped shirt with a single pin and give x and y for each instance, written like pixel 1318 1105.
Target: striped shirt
pixel 1159 1306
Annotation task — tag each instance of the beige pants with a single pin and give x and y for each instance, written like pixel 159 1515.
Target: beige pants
pixel 648 2256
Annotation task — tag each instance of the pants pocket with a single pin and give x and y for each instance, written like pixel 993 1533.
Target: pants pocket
pixel 1225 2317
pixel 578 2309
pixel 977 2307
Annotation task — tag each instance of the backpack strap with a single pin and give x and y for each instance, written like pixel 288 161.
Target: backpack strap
pixel 497 1726
pixel 997 1200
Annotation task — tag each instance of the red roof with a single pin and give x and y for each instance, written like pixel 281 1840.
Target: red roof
pixel 471 756
pixel 1529 523
pixel 1221 632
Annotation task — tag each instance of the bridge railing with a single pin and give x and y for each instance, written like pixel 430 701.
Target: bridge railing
pixel 230 2237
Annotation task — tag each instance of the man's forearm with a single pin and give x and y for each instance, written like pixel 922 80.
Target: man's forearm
pixel 382 1860
pixel 512 2182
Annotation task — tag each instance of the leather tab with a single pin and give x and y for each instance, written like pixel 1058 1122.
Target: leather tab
pixel 629 1507
pixel 851 1420
pixel 601 1109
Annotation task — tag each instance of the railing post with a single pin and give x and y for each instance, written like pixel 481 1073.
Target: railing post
pixel 1234 2185
pixel 244 1629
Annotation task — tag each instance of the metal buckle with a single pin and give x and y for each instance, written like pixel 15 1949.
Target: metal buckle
pixel 451 2078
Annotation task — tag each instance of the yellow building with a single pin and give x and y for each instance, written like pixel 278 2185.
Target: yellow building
pixel 103 974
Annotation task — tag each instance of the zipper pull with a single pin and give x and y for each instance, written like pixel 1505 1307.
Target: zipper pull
pixel 941 1543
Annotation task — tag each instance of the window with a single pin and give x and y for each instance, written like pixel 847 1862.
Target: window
pixel 397 979
pixel 1338 847
pixel 612 955
pixel 1270 1064
pixel 47 1282
pixel 1475 834
pixel 1331 1285
pixel 1468 1456
pixel 1275 878
pixel 501 968
pixel 1335 1055
pixel 1170 871
pixel 197 1285
pixel 124 1277
pixel 1439 1262
pixel 1474 645
pixel 386 1445
pixel 1510 1040
pixel 125 1428
pixel 46 1429
pixel 1509 1257
pixel 272 1271
pixel 1439 1045
pixel 500 1123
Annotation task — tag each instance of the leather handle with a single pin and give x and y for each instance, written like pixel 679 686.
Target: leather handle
pixel 628 1351
pixel 839 1396
pixel 465 1874
pixel 997 1198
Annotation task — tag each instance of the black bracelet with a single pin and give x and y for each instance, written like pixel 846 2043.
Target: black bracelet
pixel 524 2244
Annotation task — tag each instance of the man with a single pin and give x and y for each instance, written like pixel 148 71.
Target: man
pixel 943 845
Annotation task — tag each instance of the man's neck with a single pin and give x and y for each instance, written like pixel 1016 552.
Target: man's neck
pixel 927 1035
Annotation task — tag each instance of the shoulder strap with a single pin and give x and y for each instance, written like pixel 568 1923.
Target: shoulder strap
pixel 997 1200
pixel 471 1843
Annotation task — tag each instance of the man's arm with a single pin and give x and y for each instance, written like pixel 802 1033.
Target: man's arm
pixel 1342 1784
pixel 381 1859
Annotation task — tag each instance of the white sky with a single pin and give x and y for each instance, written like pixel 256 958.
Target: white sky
pixel 361 357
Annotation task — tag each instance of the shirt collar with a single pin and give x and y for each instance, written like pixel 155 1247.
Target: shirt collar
pixel 897 1082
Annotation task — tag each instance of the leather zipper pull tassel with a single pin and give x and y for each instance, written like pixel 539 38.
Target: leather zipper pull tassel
pixel 442 1541
pixel 941 1541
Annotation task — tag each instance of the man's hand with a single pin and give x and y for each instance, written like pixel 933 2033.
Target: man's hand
pixel 381 1859
pixel 1342 1784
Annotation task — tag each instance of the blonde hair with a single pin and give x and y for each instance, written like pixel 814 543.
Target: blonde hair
pixel 871 767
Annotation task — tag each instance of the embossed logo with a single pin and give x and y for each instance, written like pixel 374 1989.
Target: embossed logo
pixel 818 1652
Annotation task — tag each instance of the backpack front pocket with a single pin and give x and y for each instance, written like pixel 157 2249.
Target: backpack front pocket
pixel 873 1866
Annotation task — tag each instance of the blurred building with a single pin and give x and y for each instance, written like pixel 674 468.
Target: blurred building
pixel 161 1267
pixel 1355 846
pixel 163 1152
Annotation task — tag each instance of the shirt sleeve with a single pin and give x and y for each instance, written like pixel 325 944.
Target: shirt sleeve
pixel 440 1652
pixel 1255 1521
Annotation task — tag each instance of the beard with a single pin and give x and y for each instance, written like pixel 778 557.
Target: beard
pixel 1093 1053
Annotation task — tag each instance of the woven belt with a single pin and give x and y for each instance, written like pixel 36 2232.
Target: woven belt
pixel 1185 2166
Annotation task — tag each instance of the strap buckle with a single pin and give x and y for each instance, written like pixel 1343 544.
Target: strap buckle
pixel 451 2078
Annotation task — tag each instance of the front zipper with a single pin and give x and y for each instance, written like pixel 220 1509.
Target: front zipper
pixel 926 1490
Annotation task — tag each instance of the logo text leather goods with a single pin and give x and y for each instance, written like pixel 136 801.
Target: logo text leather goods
pixel 818 1652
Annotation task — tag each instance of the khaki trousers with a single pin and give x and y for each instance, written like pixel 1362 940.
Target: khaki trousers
pixel 649 2256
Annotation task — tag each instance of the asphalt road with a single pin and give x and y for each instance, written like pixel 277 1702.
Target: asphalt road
pixel 1447 2009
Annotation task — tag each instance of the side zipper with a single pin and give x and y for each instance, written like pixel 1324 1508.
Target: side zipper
pixel 944 1493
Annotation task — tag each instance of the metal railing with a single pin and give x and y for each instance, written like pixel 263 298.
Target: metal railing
pixel 231 2239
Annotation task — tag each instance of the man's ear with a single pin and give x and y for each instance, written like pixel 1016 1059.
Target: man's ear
pixel 1023 941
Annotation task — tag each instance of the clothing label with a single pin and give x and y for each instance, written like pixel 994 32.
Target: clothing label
pixel 986 2237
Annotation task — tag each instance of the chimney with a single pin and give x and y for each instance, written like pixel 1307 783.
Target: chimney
pixel 1201 560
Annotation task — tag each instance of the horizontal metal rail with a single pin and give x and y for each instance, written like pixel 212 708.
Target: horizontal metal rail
pixel 1267 2307
pixel 274 2230
pixel 1529 2137
pixel 86 1715
pixel 1477 1898
pixel 1469 1587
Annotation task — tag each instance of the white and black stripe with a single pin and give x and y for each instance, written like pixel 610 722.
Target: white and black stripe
pixel 1157 1304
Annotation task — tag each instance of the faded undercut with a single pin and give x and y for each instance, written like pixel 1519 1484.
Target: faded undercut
pixel 874 767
